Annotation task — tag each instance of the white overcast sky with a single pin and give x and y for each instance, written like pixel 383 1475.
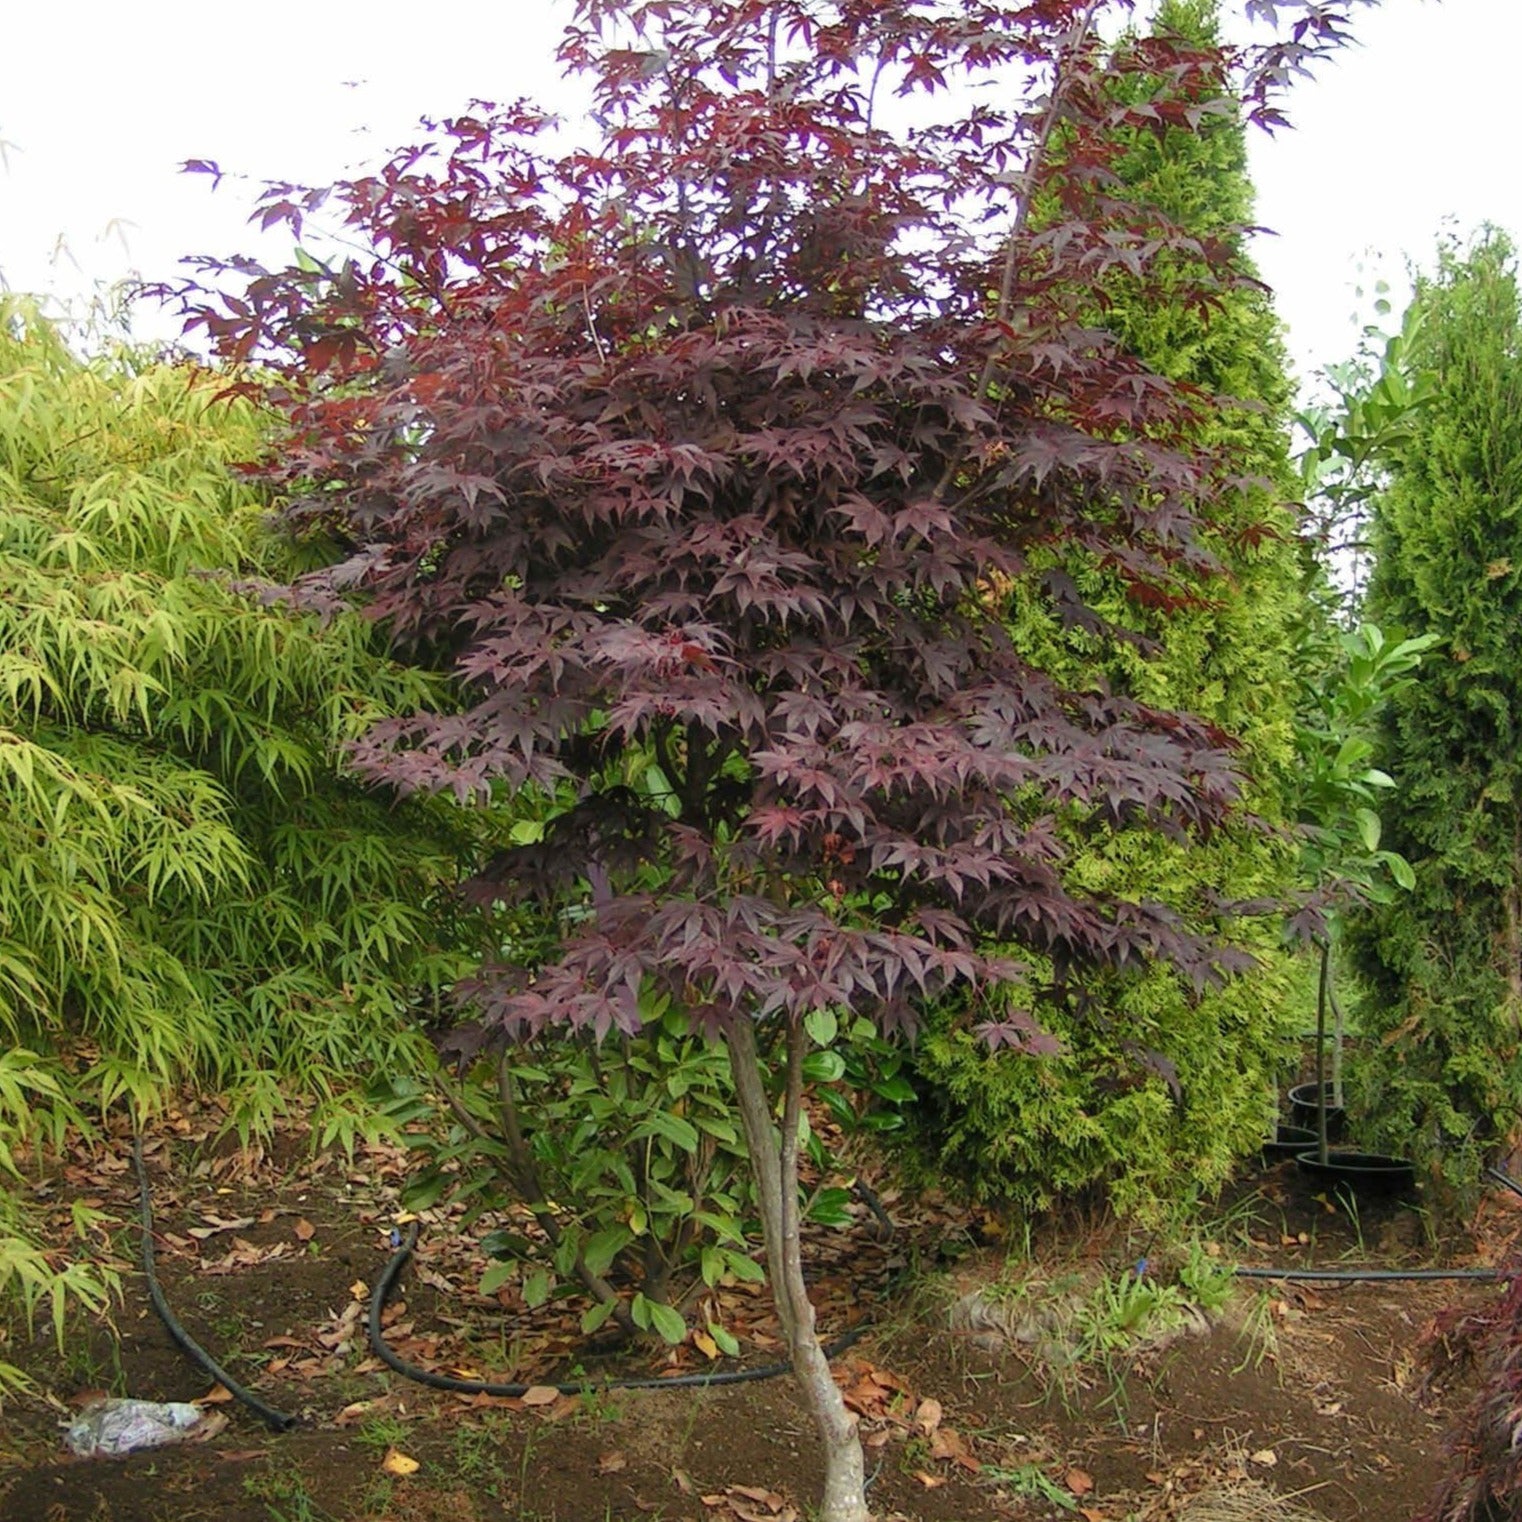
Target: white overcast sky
pixel 1413 130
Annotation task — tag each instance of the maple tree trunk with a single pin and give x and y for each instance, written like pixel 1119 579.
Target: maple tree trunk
pixel 775 1166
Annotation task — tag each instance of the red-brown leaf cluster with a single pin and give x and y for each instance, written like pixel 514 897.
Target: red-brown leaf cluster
pixel 705 445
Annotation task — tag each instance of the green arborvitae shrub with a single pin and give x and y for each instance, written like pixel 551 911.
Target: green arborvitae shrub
pixel 1443 1078
pixel 1105 1111
pixel 190 886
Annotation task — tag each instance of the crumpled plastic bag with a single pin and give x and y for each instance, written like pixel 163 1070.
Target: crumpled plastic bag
pixel 109 1427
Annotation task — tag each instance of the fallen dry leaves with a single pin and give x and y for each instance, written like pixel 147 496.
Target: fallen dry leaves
pixel 1079 1481
pixel 211 1424
pixel 243 1255
pixel 948 1444
pixel 751 1503
pixel 879 1395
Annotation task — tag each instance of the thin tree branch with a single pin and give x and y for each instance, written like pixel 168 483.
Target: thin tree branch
pixel 765 1161
pixel 1077 36
pixel 520 1172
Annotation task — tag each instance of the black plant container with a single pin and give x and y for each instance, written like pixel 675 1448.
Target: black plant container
pixel 1363 1174
pixel 1302 1111
pixel 1289 1141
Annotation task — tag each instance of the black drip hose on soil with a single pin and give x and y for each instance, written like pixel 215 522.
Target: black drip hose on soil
pixel 279 1420
pixel 387 1282
pixel 1369 1275
pixel 1504 1179
pixel 1389 1275
pixel 283 1422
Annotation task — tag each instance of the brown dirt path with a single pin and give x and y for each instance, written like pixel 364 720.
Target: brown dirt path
pixel 1307 1393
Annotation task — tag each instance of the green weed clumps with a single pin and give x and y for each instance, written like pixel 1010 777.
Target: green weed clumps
pixel 191 887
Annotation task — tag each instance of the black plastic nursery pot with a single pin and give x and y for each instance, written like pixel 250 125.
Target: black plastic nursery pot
pixel 1289 1141
pixel 1302 1111
pixel 1368 1174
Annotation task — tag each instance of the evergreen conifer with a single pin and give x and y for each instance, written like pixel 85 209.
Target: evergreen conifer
pixel 1166 1087
pixel 1443 1079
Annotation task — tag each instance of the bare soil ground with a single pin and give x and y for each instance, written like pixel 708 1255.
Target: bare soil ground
pixel 1299 1402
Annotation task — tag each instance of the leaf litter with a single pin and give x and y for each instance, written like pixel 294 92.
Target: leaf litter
pixel 243 1198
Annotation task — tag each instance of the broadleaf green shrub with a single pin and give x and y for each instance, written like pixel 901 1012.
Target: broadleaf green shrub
pixel 629 1160
pixel 627 1157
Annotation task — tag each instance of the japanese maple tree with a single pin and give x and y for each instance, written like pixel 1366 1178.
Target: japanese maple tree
pixel 710 449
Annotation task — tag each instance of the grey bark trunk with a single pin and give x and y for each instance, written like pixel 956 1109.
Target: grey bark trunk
pixel 774 1162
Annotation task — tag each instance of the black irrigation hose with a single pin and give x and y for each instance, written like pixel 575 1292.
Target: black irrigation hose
pixel 1371 1275
pixel 387 1282
pixel 1388 1275
pixel 1504 1179
pixel 279 1420
pixel 873 1201
pixel 282 1422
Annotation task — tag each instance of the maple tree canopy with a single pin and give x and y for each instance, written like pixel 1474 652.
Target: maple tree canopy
pixel 705 454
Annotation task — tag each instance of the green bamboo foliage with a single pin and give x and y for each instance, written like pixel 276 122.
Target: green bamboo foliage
pixel 1443 1077
pixel 190 887
pixel 1102 1112
pixel 189 884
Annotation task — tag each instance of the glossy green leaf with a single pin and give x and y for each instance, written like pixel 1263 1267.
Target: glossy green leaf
pixel 596 1316
pixel 821 1025
pixel 824 1067
pixel 667 1322
pixel 496 1276
pixel 603 1247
